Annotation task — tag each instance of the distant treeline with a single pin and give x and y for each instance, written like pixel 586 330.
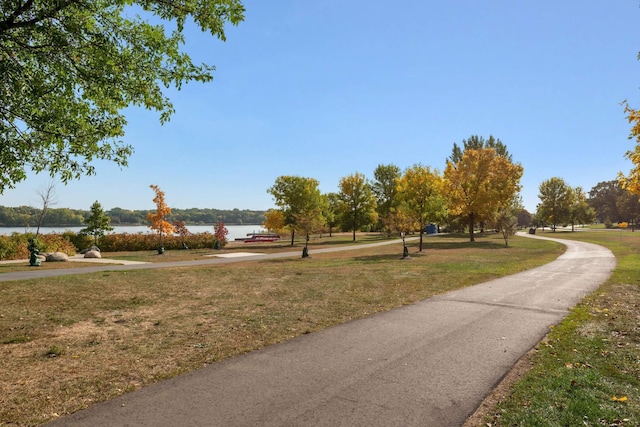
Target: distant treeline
pixel 26 216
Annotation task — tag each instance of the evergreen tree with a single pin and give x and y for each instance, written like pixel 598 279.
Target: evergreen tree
pixel 97 222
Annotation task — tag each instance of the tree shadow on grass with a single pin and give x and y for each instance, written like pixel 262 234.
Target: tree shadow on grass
pixel 372 259
pixel 447 242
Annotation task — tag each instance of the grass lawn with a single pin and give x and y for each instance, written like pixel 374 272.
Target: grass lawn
pixel 587 371
pixel 152 256
pixel 71 341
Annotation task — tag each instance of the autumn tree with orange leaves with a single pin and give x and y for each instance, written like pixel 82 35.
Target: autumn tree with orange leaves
pixel 220 233
pixel 182 231
pixel 157 220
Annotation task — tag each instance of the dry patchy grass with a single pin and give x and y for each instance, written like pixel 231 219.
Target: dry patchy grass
pixel 68 342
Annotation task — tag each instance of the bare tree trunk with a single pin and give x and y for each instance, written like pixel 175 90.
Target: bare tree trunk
pixel 48 197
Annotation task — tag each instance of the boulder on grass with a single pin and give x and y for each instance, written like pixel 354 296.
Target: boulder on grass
pixel 57 257
pixel 92 248
pixel 92 254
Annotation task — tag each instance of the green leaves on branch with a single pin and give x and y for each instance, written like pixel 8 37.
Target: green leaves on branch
pixel 300 204
pixel 68 69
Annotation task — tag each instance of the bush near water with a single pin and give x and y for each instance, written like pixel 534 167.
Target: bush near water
pixel 15 245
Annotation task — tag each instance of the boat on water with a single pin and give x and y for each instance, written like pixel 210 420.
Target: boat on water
pixel 260 237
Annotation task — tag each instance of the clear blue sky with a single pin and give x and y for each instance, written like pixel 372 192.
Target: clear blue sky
pixel 327 88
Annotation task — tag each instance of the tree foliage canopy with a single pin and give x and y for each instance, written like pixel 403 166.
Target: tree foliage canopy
pixel 506 221
pixel 631 181
pixel 603 197
pixel 98 222
pixel 480 183
pixel 157 220
pixel 580 212
pixel 556 200
pixel 476 142
pixel 69 67
pixel 421 191
pixel 385 188
pixel 300 201
pixel 357 202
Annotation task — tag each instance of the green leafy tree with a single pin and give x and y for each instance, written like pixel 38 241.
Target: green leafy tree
pixel 385 188
pixel 628 205
pixel 98 222
pixel 612 203
pixel 300 201
pixel 330 213
pixel 68 69
pixel 556 199
pixel 311 219
pixel 603 197
pixel 525 219
pixel 506 219
pixel 580 212
pixel 357 202
pixel 476 142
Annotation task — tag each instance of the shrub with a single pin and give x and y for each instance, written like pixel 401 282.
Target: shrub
pixel 12 247
pixel 80 241
pixel 55 243
pixel 16 245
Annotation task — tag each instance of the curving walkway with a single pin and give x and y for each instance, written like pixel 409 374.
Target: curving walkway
pixel 427 364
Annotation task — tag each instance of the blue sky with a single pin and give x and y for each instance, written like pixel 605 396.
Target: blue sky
pixel 327 88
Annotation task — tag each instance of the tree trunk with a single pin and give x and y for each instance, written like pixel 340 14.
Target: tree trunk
pixel 293 233
pixel 471 224
pixel 355 224
pixel 421 231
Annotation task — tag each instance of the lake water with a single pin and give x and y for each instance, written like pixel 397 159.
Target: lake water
pixel 235 231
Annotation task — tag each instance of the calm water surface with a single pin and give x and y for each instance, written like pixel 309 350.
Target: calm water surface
pixel 235 231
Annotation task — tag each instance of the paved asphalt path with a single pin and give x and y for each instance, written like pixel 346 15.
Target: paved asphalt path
pixel 425 364
pixel 36 273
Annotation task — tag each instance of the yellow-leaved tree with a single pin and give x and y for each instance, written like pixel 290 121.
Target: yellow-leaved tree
pixel 274 221
pixel 357 205
pixel 420 191
pixel 631 182
pixel 479 184
pixel 157 221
